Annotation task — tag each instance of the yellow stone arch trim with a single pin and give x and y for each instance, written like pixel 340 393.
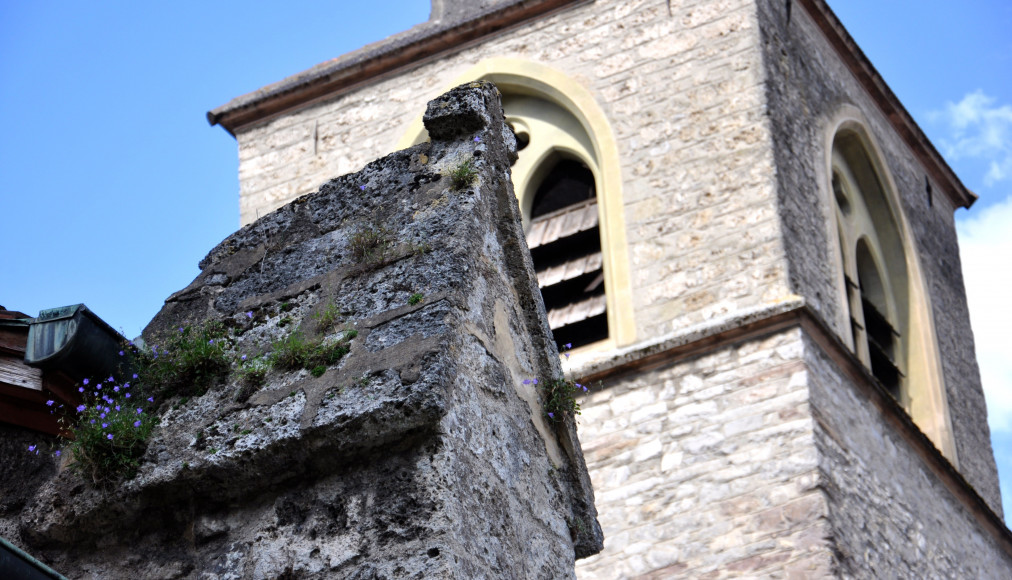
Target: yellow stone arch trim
pixel 926 399
pixel 525 77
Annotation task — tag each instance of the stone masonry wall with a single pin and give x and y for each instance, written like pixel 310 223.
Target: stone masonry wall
pixel 684 94
pixel 890 515
pixel 421 453
pixel 808 85
pixel 707 468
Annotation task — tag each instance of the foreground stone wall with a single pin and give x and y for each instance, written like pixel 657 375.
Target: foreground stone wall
pixel 683 93
pixel 420 454
pixel 809 88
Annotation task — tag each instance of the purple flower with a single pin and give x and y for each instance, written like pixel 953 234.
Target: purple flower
pixel 102 416
pixel 551 415
pixel 105 425
pixel 80 389
pixel 249 314
pixel 81 408
pixel 565 354
pixel 210 341
pixel 107 409
pixel 99 386
pixel 109 436
pixel 137 423
pixel 50 402
pixel 116 389
pixel 127 395
pixel 57 452
pixel 527 381
pixel 86 381
pixel 535 381
pixel 121 353
pixel 92 421
pixel 477 139
pixel 139 410
pixel 117 406
pixel 32 447
pixel 567 346
pixel 135 375
pixel 151 399
pixel 243 357
pixel 362 187
pixel 180 329
pixel 127 385
pixel 111 379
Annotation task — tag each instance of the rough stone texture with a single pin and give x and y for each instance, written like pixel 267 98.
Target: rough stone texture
pixel 22 474
pixel 420 455
pixel 807 85
pixel 761 459
pixel 890 516
pixel 718 109
pixel 684 95
pixel 708 469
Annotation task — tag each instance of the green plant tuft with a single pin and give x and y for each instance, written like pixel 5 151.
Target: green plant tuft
pixel 463 175
pixel 560 398
pixel 192 360
pixel 370 245
pixel 415 298
pixel 295 352
pixel 326 319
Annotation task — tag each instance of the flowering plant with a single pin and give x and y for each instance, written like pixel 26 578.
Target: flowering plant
pixel 559 394
pixel 108 431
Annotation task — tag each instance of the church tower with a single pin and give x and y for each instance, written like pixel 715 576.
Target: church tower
pixel 749 244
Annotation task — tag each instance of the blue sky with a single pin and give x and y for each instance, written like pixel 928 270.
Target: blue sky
pixel 113 186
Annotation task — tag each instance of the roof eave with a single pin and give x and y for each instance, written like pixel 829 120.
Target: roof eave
pixel 400 51
pixel 891 107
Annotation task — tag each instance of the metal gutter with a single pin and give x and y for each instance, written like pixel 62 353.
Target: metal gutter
pixel 16 563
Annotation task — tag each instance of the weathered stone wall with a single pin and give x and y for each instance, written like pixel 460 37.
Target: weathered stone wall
pixel 891 517
pixel 707 468
pixel 420 454
pixel 762 458
pixel 683 93
pixel 808 86
pixel 22 474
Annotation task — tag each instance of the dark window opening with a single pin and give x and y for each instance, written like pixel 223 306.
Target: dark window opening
pixel 881 338
pixel 523 138
pixel 565 243
pixel 568 183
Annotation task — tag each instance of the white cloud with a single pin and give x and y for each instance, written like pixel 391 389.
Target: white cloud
pixel 985 244
pixel 979 129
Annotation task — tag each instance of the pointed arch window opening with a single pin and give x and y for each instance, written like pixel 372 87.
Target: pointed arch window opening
pixel 565 242
pixel 870 299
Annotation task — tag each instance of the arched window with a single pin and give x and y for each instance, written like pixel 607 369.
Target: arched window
pixel 874 266
pixel 568 182
pixel 886 303
pixel 554 180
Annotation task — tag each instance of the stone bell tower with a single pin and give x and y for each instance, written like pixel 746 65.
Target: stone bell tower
pixel 750 245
